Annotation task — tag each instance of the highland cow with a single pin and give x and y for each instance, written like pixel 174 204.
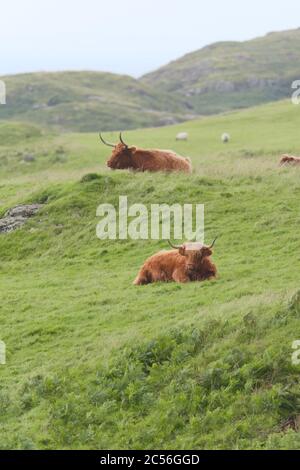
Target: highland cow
pixel 289 160
pixel 125 157
pixel 188 262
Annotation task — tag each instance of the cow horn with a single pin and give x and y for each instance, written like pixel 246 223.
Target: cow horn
pixel 213 242
pixel 122 141
pixel 105 143
pixel 177 247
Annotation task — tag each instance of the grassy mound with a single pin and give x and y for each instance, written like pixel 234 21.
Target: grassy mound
pixel 12 133
pixel 95 362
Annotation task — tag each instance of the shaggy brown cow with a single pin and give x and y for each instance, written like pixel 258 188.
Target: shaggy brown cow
pixel 125 157
pixel 188 262
pixel 289 160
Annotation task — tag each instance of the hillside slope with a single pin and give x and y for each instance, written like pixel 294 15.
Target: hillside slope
pixel 230 75
pixel 88 101
pixel 95 362
pixel 218 78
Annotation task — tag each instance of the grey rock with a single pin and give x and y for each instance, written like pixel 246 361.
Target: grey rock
pixel 17 216
pixel 167 121
pixel 39 106
pixel 28 157
pixel 96 98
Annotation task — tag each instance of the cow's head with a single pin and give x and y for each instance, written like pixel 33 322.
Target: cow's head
pixel 289 160
pixel 285 159
pixel 121 157
pixel 194 252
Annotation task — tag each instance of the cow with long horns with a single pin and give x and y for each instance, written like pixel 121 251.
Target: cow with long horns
pixel 289 160
pixel 125 157
pixel 188 262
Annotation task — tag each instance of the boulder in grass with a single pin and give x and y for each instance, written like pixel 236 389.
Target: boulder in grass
pixel 17 216
pixel 28 158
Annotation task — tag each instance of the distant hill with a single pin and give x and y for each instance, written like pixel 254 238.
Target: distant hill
pixel 88 101
pixel 229 75
pixel 217 78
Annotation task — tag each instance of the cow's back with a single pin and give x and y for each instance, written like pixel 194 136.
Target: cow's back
pixel 161 160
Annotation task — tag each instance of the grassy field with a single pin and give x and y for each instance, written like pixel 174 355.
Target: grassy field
pixel 95 362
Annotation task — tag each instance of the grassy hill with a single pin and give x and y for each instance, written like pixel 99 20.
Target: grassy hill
pixel 217 78
pixel 88 101
pixel 95 362
pixel 228 75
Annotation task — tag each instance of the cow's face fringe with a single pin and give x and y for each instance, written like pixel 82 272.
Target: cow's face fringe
pixel 194 258
pixel 121 157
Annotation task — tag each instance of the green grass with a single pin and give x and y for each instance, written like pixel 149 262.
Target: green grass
pixel 95 362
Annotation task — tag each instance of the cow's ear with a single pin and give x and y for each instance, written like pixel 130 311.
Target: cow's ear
pixel 132 149
pixel 182 250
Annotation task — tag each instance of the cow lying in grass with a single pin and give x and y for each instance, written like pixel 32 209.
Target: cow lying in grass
pixel 125 157
pixel 188 262
pixel 289 160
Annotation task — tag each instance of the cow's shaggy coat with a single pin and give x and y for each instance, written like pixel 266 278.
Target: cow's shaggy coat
pixel 134 158
pixel 189 262
pixel 289 160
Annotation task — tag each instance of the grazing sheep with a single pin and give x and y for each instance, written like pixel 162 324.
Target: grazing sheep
pixel 182 136
pixel 225 138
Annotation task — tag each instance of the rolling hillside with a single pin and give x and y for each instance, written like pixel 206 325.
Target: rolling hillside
pixel 217 78
pixel 89 101
pixel 230 75
pixel 95 362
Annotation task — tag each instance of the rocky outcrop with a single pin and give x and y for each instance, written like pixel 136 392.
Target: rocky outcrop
pixel 17 216
pixel 28 157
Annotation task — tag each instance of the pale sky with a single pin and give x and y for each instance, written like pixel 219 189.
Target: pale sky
pixel 127 36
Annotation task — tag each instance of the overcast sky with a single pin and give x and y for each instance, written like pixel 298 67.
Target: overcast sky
pixel 127 36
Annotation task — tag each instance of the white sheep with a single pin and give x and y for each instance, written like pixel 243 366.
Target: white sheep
pixel 182 136
pixel 225 138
